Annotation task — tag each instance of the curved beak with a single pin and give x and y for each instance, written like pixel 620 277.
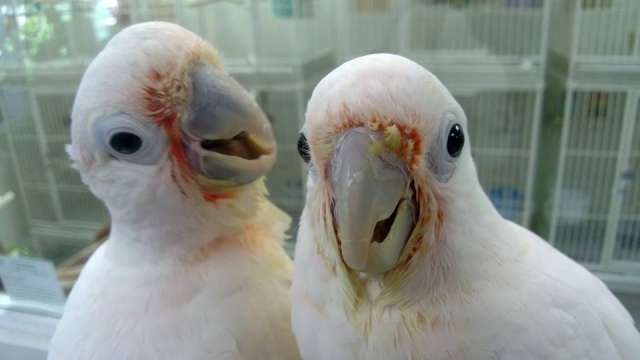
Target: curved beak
pixel 228 139
pixel 374 210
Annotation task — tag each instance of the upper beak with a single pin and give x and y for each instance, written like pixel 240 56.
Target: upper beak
pixel 374 210
pixel 228 139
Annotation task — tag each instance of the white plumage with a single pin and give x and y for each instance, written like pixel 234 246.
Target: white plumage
pixel 469 284
pixel 194 267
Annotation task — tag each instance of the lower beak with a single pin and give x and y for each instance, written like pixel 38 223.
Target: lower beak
pixel 228 139
pixel 374 211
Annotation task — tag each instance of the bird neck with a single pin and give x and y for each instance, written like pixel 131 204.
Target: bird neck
pixel 182 228
pixel 165 236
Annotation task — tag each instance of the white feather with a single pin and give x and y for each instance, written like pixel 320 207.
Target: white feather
pixel 179 277
pixel 148 294
pixel 490 290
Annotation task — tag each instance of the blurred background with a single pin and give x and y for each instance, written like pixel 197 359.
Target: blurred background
pixel 551 90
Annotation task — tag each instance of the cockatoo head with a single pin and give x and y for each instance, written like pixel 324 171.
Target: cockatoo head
pixel 388 154
pixel 157 120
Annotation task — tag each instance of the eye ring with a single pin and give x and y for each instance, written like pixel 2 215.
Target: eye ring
pixel 125 142
pixel 303 148
pixel 455 140
pixel 445 148
pixel 130 139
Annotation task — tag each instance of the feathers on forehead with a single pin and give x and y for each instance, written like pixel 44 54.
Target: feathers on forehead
pixel 161 45
pixel 136 57
pixel 386 93
pixel 141 56
pixel 382 86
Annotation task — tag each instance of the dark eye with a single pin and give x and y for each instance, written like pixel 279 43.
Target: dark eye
pixel 125 142
pixel 455 140
pixel 303 148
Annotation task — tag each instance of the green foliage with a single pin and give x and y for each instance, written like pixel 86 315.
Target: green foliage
pixel 36 31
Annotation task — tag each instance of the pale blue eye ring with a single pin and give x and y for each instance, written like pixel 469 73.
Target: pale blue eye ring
pixel 441 159
pixel 129 139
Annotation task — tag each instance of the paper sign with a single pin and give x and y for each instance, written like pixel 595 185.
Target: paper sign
pixel 29 280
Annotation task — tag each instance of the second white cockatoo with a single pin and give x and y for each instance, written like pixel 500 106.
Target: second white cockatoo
pixel 400 253
pixel 194 266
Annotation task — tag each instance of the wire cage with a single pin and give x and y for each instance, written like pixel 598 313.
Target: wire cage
pixel 367 26
pixel 41 79
pixel 594 32
pixel 45 48
pixel 285 180
pixel 265 35
pixel 503 32
pixel 36 127
pixel 503 120
pixel 595 211
pixel 262 35
pixel 484 32
pixel 41 35
pixel 56 204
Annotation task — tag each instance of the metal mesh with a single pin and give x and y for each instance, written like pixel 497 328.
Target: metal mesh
pixel 500 128
pixel 81 206
pixel 30 162
pixel 584 197
pixel 40 204
pixel 53 190
pixel 71 32
pixel 284 181
pixel 372 26
pixel 480 28
pixel 607 28
pixel 59 247
pixel 627 246
pixel 263 32
pixel 280 108
pixel 55 111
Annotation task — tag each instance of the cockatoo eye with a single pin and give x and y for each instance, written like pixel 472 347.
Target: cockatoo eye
pixel 125 142
pixel 455 141
pixel 303 148
pixel 445 147
pixel 128 139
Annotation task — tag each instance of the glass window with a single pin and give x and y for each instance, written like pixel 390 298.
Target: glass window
pixel 551 89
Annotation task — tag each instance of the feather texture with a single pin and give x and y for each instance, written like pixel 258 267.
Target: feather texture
pixel 187 272
pixel 478 287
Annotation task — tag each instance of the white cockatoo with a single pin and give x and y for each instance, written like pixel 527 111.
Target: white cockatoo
pixel 400 253
pixel 194 266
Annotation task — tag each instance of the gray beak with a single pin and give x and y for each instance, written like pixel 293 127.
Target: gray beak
pixel 374 210
pixel 228 139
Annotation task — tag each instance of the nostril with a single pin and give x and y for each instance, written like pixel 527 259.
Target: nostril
pixel 242 145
